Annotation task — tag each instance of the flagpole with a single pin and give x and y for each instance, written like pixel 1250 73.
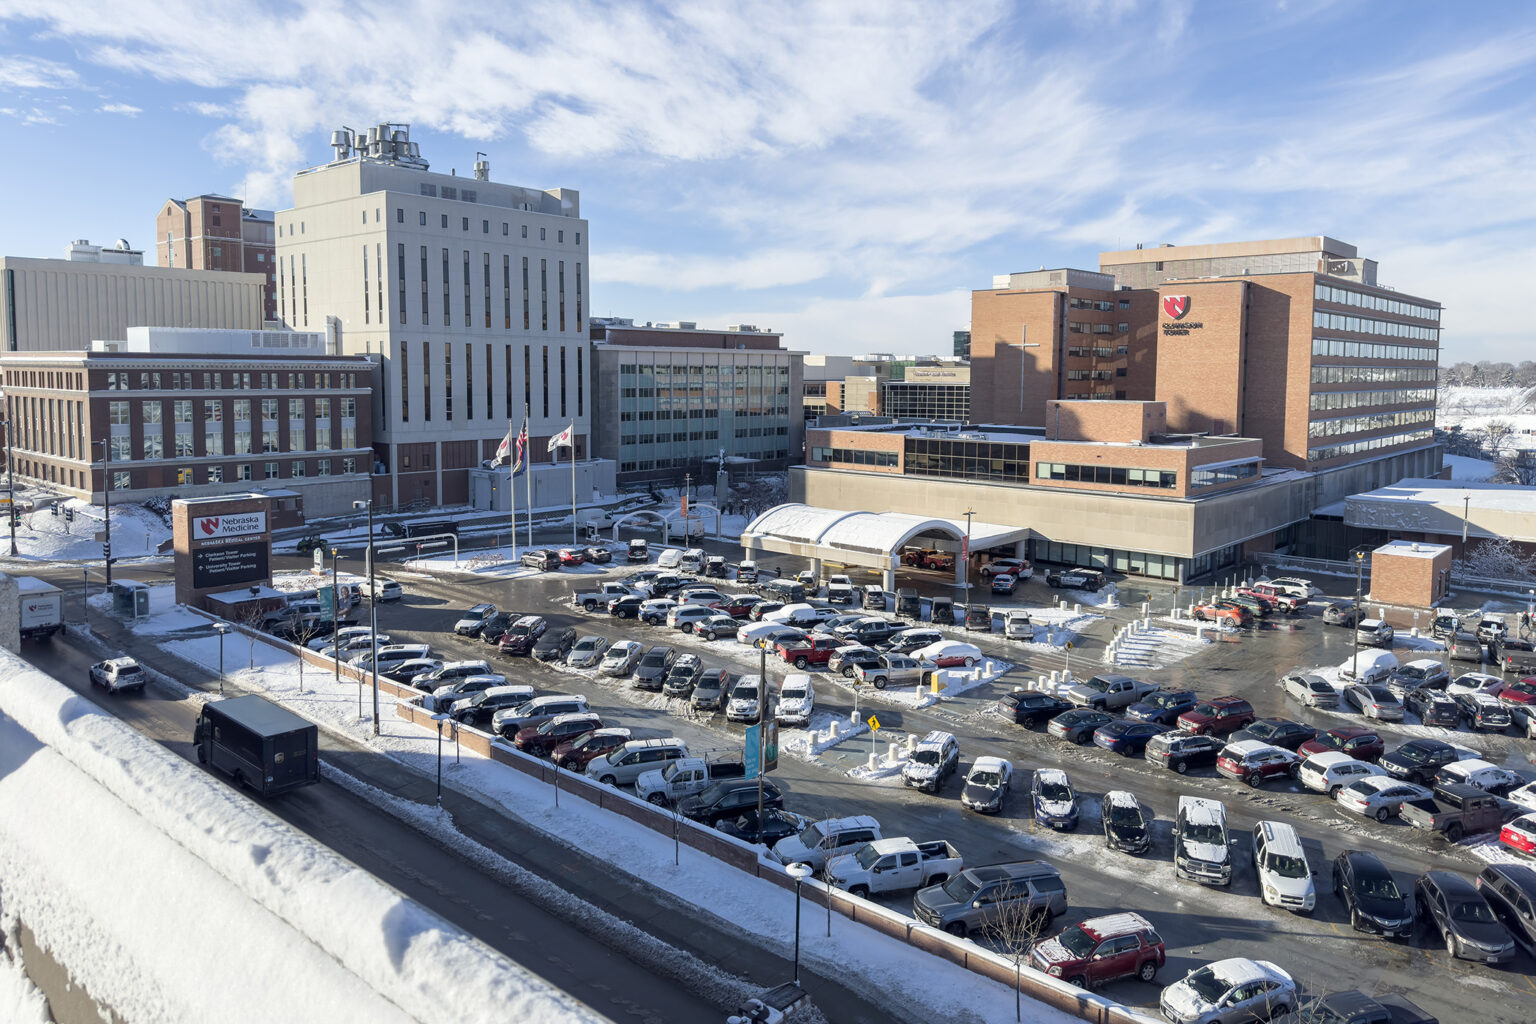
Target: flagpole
pixel 573 488
pixel 512 489
pixel 528 472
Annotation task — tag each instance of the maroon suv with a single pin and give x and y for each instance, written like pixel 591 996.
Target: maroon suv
pixel 544 737
pixel 574 755
pixel 1218 716
pixel 1358 741
pixel 1101 950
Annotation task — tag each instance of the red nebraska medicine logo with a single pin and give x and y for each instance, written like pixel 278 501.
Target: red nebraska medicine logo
pixel 1176 306
pixel 209 526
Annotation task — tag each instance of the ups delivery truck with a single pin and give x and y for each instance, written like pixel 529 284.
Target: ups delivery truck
pixel 258 744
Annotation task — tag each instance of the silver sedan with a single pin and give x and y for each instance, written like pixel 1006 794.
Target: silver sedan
pixel 1376 702
pixel 587 652
pixel 1380 796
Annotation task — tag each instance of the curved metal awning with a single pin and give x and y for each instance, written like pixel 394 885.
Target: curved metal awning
pixel 872 539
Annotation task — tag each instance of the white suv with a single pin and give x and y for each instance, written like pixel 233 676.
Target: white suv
pixel 686 616
pixel 1285 879
pixel 1332 770
pixel 797 699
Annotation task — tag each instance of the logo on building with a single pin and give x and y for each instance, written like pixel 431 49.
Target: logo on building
pixel 1176 306
pixel 240 525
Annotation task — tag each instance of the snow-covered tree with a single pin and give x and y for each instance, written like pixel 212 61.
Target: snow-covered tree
pixel 1499 559
pixel 1494 434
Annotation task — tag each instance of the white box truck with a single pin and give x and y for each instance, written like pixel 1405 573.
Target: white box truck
pixel 42 607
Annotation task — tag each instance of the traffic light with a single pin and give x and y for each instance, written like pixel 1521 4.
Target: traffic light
pixel 106 550
pixel 15 517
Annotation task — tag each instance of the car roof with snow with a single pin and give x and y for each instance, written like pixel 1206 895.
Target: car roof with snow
pixel 1111 925
pixel 121 663
pixel 827 826
pixel 990 764
pixel 1478 697
pixel 1239 970
pixel 935 740
pixel 1329 759
pixel 509 689
pixel 1201 810
pixel 571 716
pixel 1052 775
pixel 1379 782
pixel 1121 798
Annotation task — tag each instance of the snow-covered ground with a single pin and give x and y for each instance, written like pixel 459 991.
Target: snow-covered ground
pixel 1464 467
pixel 151 881
pixel 1154 648
pixel 1474 408
pixel 925 984
pixel 45 537
pixel 20 1001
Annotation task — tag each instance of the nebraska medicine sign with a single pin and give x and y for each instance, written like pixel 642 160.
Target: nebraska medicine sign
pixel 239 524
pixel 1176 308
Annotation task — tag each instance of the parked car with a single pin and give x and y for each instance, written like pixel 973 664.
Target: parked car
pixel 893 865
pixel 1466 647
pixel 1279 732
pixel 1054 800
pixel 1419 760
pixel 1358 741
pixel 1369 667
pixel 910 640
pixel 1483 712
pixel 1492 629
pixel 728 799
pixel 1520 695
pixel 1163 706
pixel 1030 708
pixel 1126 737
pixel 1331 770
pixel 1376 702
pixel 980 898
pixel 1222 613
pixel 597 556
pixel 1416 673
pixel 1480 774
pixel 1310 689
pixel 1525 796
pixel 1100 950
pixel 893 669
pixel 873 597
pixel 846 660
pixel 685 671
pixel 620 659
pixel 496 626
pixel 508 722
pixel 1255 762
pixel 539 740
pixel 715 626
pixel 1380 796
pixel 474 620
pixel 587 651
pixel 1341 613
pixel 739 606
pixel 522 635
pixel 555 644
pixel 710 690
pixel 479 709
pixel 1091 580
pixel 1237 989
pixel 405 671
pixel 1513 655
pixel 1077 725
pixel 1433 707
pixel 1004 583
pixel 1374 633
pixel 1219 716
pixel 934 759
pixel 686 776
pixel 575 754
pixel 1371 895
pixel 1127 824
pixel 1006 567
pixel 1201 850
pixel 654 612
pixel 1285 878
pixel 652 668
pixel 450 672
pixel 1455 811
pixel 987 784
pixel 571 557
pixel 1278 596
pixel 1181 751
pixel 1110 692
pixel 840 590
pixel 874 630
pixel 623 765
pixel 774 825
pixel 1458 910
pixel 810 650
pixel 541 560
pixel 119 675
pixel 746 703
pixel 1510 890
pixel 1474 682
pixel 826 838
pixel 444 697
pixel 949 654
pixel 763 608
pixel 797 700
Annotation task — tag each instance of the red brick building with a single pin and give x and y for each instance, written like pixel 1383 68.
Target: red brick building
pixel 213 232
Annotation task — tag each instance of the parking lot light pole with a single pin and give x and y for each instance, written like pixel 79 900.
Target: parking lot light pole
pixel 799 872
pixel 335 601
pixel 968 514
pixel 222 631
pixel 1354 661
pixel 373 618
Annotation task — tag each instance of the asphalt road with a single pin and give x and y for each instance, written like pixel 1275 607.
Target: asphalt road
pixel 1199 924
pixel 547 944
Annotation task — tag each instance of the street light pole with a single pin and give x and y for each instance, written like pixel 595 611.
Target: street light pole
pixel 799 872
pixel 1466 514
pixel 335 601
pixel 1354 662
pixel 10 474
pixel 373 618
pixel 222 631
pixel 968 514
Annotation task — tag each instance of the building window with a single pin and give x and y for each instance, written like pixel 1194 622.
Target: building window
pixel 426 379
pixel 562 382
pixel 543 235
pixel 243 471
pixel 448 382
pixel 366 309
pixel 466 290
pixel 525 230
pixel 544 293
pixel 349 465
pixel 580 389
pixel 545 361
pixel 527 378
pixel 213 440
pixel 184 477
pixel 485 268
pixel 242 442
pixel 117 413
pixel 580 323
pixel 525 291
pixel 323 467
pixel 121 481
pixel 399 215
pixel 269 471
pixel 154 446
pixel 560 283
pixel 215 474
pixel 469 382
pixel 488 384
pixel 298 468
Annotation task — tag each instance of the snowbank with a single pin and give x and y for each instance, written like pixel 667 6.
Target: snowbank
pixel 140 873
pixel 136 532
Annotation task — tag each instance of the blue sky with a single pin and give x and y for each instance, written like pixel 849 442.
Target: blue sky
pixel 846 172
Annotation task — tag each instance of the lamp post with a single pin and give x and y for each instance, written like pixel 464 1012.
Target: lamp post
pixel 799 872
pixel 10 477
pixel 373 617
pixel 1354 660
pixel 106 506
pixel 968 514
pixel 222 630
pixel 335 600
pixel 1466 514
pixel 85 595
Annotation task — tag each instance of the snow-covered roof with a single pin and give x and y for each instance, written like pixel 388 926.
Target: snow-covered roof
pixel 243 594
pixel 1410 549
pixel 1116 924
pixel 795 528
pixel 1445 507
pixel 1120 798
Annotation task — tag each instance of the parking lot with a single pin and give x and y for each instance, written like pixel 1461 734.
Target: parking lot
pixel 1198 924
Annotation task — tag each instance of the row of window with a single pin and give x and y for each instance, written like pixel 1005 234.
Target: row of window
pixel 1076 302
pixel 712 412
pixel 1371 421
pixel 424 367
pixel 853 456
pixel 1371 350
pixel 1110 374
pixel 1222 475
pixel 1099 351
pixel 645 465
pixel 1380 303
pixel 118 413
pixel 680 437
pixel 153 445
pixel 1372 374
pixel 121 380
pixel 699 391
pixel 122 480
pixel 1369 325
pixel 1365 399
pixel 923 402
pixel 485 225
pixel 1091 474
pixel 1076 327
pixel 712 371
pixel 1335 451
pixel 1135 562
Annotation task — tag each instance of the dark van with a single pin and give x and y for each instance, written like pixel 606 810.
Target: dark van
pixel 258 744
pixel 788 591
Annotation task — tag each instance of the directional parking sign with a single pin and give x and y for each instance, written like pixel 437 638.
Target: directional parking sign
pixel 874 723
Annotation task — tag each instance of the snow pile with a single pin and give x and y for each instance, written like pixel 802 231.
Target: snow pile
pixel 20 1001
pixel 170 896
pixel 825 732
pixel 1154 648
pixel 136 532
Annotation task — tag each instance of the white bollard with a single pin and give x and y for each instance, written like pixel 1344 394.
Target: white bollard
pixel 1414 632
pixel 874 760
pixel 1146 608
pixel 1055 677
pixel 1040 683
pixel 976 673
pixel 1146 624
pixel 911 742
pixel 1199 632
pixel 1077 609
pixel 833 728
pixel 893 751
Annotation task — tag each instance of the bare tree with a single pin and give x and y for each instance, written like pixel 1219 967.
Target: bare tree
pixel 1015 927
pixel 251 616
pixel 1495 434
pixel 1516 466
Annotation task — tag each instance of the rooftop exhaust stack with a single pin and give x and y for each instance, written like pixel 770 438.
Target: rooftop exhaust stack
pixel 482 168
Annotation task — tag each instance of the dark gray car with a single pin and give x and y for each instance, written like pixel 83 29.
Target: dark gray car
pixel 980 898
pixel 1453 906
pixel 653 667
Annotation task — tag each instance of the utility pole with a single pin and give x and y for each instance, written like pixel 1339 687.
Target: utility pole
pixel 106 503
pixel 969 513
pixel 336 600
pixel 373 616
pixel 1354 660
pixel 10 472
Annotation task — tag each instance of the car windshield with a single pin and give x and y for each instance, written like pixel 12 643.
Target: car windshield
pixel 1380 887
pixel 1475 912
pixel 1206 985
pixel 1286 867
pixel 479 698
pixel 810 836
pixel 929 756
pixel 654 659
pixel 1204 832
pixel 1125 814
pixel 1166 700
pixel 991 780
pixel 961 888
pixel 797 693
pixel 747 692
pixel 1096 683
pixel 1055 791
pixel 1077 942
pixel 1331 741
pixel 548 727
pixel 1205 709
pixel 1414 752
pixel 1409 672
pixel 867 856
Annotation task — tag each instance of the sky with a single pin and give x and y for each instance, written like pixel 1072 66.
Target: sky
pixel 845 172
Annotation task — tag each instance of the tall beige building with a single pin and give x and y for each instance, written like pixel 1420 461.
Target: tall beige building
pixel 472 293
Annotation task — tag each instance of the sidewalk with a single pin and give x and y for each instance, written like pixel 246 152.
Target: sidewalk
pixel 708 937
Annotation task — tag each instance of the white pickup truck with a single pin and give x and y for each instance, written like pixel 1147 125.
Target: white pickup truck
pixel 685 777
pixel 894 865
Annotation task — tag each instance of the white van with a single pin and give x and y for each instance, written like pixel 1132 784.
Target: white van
pixel 692 560
pixel 1285 878
pixel 671 558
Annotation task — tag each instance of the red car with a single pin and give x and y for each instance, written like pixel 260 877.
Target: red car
pixel 1522 692
pixel 1101 950
pixel 739 606
pixel 1358 741
pixel 813 650
pixel 1254 762
pixel 1217 716
pixel 576 754
pixel 540 739
pixel 572 557
pixel 1520 834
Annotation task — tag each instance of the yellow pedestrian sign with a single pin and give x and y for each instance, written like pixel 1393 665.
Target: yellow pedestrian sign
pixel 874 723
pixel 1069 645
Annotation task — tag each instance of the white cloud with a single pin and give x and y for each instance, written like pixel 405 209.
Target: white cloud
pixel 35 73
pixel 126 109
pixel 902 324
pixel 207 109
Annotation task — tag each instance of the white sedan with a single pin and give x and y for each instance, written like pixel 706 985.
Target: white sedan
pixel 341 636
pixel 1525 796
pixel 750 633
pixel 621 657
pixel 1475 682
pixel 1380 796
pixel 949 654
